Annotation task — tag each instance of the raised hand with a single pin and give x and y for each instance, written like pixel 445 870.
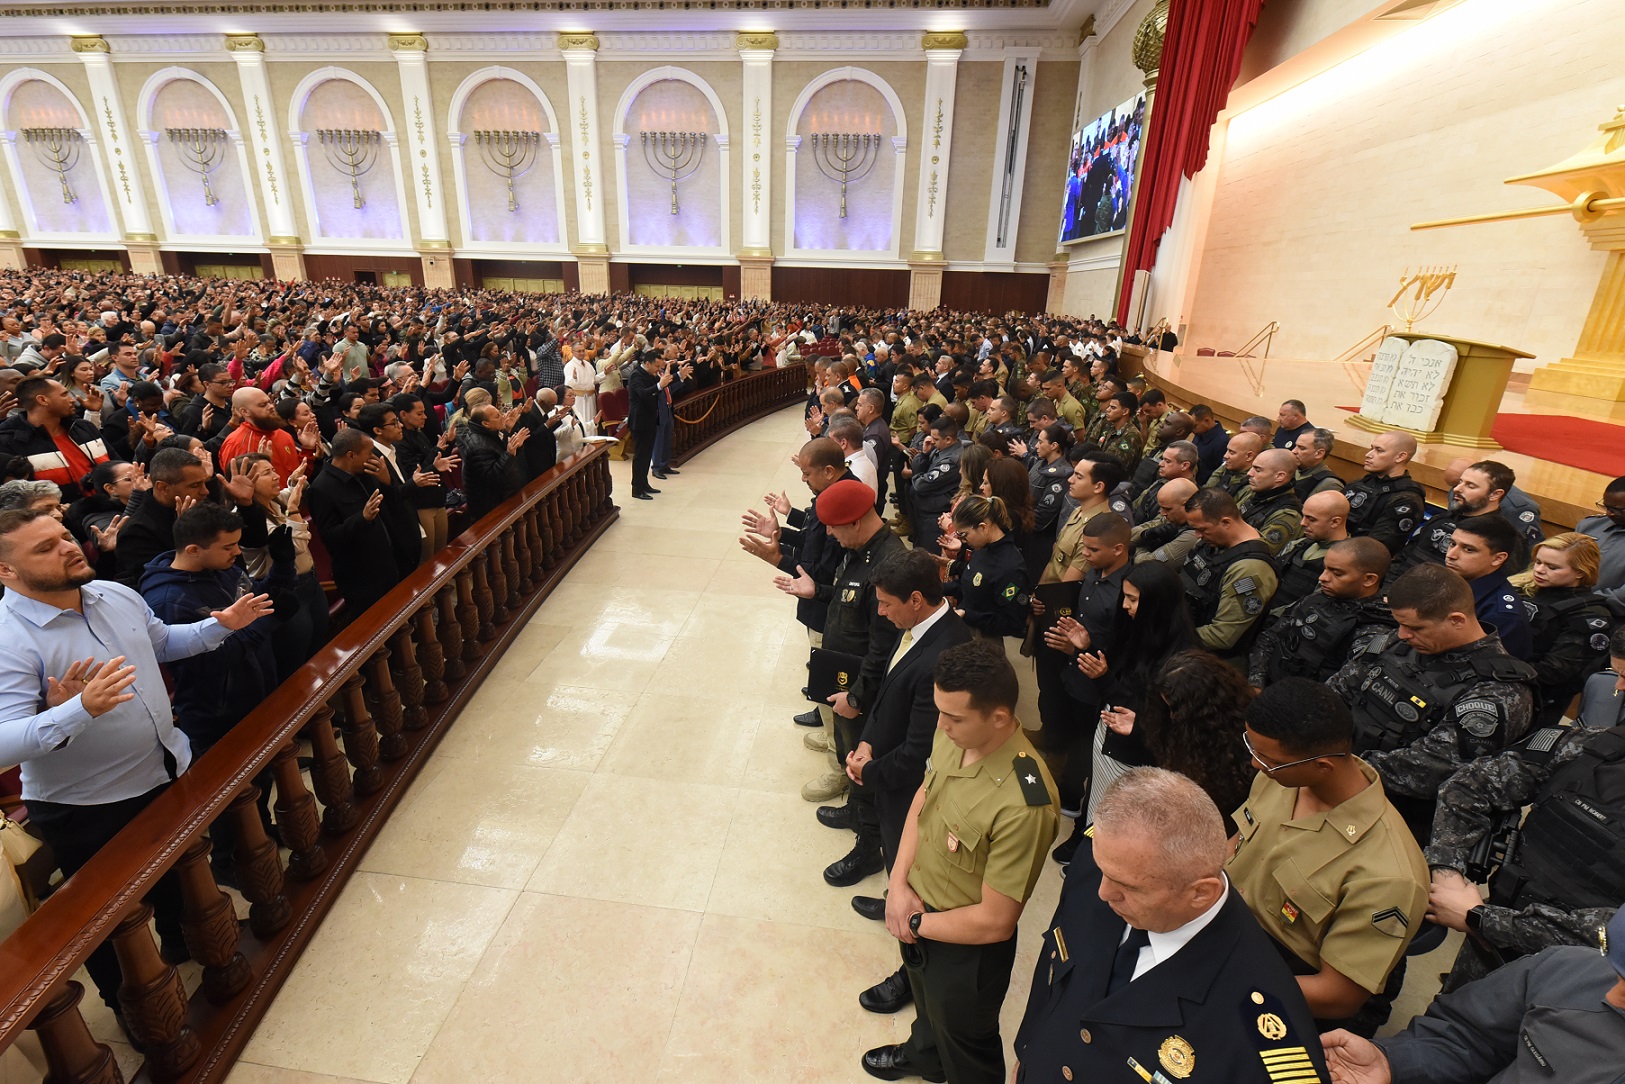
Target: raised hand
pixel 447 462
pixel 379 469
pixel 238 485
pixel 1018 449
pixel 425 478
pixel 517 441
pixel 374 504
pixel 184 502
pixel 762 523
pixel 208 417
pixel 107 540
pixel 778 502
pixel 800 585
pixel 310 436
pixel 244 612
pixel 206 457
pixel 8 403
pixel 1118 720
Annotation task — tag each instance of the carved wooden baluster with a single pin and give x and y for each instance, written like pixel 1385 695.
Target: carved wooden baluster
pixel 546 544
pixel 209 921
pixel 72 1055
pixel 497 579
pixel 409 682
pixel 533 542
pixel 522 576
pixel 431 659
pixel 331 775
pixel 259 867
pixel 152 998
pixel 296 818
pixel 449 630
pixel 510 567
pixel 557 513
pixel 608 485
pixel 483 603
pixel 578 506
pixel 388 713
pixel 468 612
pixel 361 739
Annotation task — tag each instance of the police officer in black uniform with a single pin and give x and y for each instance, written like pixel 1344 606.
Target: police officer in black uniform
pixel 1387 503
pixel 1477 500
pixel 1434 695
pixel 1324 520
pixel 1321 631
pixel 1153 967
pixel 1047 474
pixel 1569 628
pixel 1563 873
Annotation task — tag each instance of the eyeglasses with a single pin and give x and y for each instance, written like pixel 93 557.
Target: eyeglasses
pixel 1269 769
pixel 1610 509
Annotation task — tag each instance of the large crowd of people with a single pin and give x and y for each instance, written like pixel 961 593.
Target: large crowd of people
pixel 1293 721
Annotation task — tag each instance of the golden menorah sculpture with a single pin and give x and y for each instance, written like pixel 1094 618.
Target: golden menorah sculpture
pixel 201 150
pixel 352 152
pixel 845 157
pixel 675 156
pixel 508 155
pixel 59 149
pixel 1421 293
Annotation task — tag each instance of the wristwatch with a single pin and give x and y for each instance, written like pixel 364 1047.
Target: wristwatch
pixel 1475 918
pixel 914 922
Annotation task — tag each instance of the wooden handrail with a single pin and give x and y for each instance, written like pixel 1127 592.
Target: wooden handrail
pixel 474 597
pixel 706 416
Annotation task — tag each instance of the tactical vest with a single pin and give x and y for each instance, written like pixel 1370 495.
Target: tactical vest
pixel 1368 497
pixel 1260 508
pixel 1204 575
pixel 1317 629
pixel 1570 852
pixel 1402 697
pixel 1304 487
pixel 1299 577
pixel 1553 616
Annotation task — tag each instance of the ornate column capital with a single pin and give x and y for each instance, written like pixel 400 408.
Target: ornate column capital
pixel 569 42
pixel 954 39
pixel 244 43
pixel 408 43
pixel 89 43
pixel 746 42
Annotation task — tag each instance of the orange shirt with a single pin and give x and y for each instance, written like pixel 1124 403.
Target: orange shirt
pixel 284 452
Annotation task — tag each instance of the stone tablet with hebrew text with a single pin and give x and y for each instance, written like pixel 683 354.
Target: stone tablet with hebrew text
pixel 1423 377
pixel 1383 367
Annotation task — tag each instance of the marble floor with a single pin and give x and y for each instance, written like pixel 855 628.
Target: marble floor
pixel 606 871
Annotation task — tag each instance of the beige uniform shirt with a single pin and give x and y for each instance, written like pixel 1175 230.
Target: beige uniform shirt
pixel 1068 552
pixel 992 822
pixel 1347 887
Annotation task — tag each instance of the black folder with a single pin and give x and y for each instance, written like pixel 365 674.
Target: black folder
pixel 1059 599
pixel 830 672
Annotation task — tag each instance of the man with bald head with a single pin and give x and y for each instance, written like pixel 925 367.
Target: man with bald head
pixel 1386 503
pixel 1324 521
pixel 9 379
pixel 1331 624
pixel 1168 537
pixel 1179 459
pixel 1269 502
pixel 1239 454
pixel 1313 475
pixel 257 422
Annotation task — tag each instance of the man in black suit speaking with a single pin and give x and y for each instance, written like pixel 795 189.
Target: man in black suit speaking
pixel 644 390
pixel 1153 965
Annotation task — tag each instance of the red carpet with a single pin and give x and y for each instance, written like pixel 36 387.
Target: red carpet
pixel 1574 442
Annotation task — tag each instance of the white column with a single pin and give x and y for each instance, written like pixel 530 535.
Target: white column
pixel 266 161
pixel 756 56
pixel 422 158
pixel 129 188
pixel 11 246
pixel 942 53
pixel 580 118
pixel 1009 159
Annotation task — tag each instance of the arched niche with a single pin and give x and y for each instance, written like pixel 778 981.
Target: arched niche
pixel 335 99
pixel 174 103
pixel 671 100
pixel 531 218
pixel 33 99
pixel 845 102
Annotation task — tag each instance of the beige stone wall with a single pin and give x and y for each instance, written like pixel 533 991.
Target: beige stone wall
pixel 1053 94
pixel 977 90
pixel 1288 27
pixel 1318 187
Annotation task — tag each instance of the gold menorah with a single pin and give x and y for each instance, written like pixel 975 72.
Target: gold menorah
pixel 675 156
pixel 508 155
pixel 59 149
pixel 201 149
pixel 1426 289
pixel 844 157
pixel 352 152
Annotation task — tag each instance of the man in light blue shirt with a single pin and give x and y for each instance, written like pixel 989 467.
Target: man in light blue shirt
pixel 82 702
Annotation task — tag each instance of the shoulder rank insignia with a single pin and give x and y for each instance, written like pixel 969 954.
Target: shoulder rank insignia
pixel 1031 780
pixel 1266 1019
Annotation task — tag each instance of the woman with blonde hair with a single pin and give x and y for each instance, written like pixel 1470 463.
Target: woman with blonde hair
pixel 1569 621
pixel 991 586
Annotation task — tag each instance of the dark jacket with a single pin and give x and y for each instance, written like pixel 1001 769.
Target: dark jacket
pixel 1226 1000
pixel 540 453
pixel 490 474
pixel 401 511
pixel 853 623
pixel 643 401
pixel 902 720
pixel 417 451
pixel 20 437
pixel 214 691
pixel 149 531
pixel 190 419
pixel 359 549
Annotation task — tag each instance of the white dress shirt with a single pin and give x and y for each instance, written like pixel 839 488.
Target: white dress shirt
pixel 1163 946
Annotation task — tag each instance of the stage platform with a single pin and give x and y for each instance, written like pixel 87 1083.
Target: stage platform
pixel 1238 388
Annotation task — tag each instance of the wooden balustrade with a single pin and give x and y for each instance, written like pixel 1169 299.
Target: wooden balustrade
pixel 709 415
pixel 393 680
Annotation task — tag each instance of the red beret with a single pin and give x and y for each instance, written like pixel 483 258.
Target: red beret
pixel 844 503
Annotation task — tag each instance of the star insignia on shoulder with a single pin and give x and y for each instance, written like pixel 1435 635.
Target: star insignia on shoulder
pixel 1032 778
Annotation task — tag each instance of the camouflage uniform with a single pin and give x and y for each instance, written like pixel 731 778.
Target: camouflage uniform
pixel 1418 718
pixel 1471 804
pixel 1097 429
pixel 1277 516
pixel 1122 444
pixel 1387 509
pixel 1159 540
pixel 1232 482
pixel 1314 637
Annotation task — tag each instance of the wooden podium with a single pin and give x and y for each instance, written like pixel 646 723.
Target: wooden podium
pixel 1470 401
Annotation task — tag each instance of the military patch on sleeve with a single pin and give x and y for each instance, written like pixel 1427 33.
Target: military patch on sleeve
pixel 1391 921
pixel 1245 584
pixel 1056 488
pixel 1253 605
pixel 1031 780
pixel 1406 525
pixel 1480 724
pixel 1599 641
pixel 1010 591
pixel 1597 622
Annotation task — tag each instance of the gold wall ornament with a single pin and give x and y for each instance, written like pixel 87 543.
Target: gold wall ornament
pixel 578 41
pixel 90 43
pixel 59 149
pixel 508 155
pixel 954 39
pixel 763 41
pixel 201 150
pixel 244 43
pixel 674 156
pixel 1420 294
pixel 408 43
pixel 1146 48
pixel 353 152
pixel 1087 30
pixel 845 157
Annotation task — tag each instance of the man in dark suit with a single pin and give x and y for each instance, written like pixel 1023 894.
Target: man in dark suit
pixel 492 470
pixel 346 505
pixel 645 387
pixel 382 422
pixel 540 453
pixel 889 761
pixel 1153 963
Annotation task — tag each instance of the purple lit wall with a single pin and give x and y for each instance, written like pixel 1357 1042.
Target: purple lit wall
pixel 183 103
pixel 504 105
pixel 672 105
pixel 339 103
pixel 38 104
pixel 847 106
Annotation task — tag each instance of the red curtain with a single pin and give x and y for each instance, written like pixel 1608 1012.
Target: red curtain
pixel 1201 56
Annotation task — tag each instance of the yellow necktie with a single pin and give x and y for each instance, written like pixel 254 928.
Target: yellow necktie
pixel 902 649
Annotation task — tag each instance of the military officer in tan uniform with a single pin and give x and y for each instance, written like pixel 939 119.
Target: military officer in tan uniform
pixel 974 843
pixel 1324 861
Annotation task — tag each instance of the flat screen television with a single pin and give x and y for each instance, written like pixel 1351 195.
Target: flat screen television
pixel 1100 173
